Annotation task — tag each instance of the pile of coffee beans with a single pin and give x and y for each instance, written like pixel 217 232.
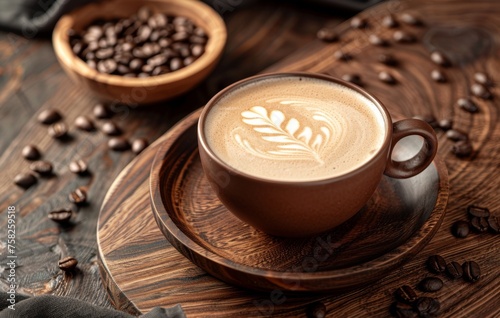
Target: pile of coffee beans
pixel 480 220
pixel 145 44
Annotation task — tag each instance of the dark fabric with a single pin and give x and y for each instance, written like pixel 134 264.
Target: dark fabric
pixel 47 306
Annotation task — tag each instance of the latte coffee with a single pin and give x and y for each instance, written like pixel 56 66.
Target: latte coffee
pixel 294 128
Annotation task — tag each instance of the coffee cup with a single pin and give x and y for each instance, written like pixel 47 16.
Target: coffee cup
pixel 297 154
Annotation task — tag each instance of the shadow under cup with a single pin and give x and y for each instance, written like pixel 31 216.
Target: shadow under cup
pixel 284 206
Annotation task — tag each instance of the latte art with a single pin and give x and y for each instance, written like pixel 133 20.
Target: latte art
pixel 294 129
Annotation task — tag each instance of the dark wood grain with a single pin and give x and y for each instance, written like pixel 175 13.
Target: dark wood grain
pixel 31 81
pixel 467 33
pixel 397 222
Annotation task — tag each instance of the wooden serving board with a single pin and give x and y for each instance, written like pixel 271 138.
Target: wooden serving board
pixel 468 33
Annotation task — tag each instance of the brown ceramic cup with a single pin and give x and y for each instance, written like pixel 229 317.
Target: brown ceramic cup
pixel 290 208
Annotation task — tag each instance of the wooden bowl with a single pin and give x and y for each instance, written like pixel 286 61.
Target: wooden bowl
pixel 128 90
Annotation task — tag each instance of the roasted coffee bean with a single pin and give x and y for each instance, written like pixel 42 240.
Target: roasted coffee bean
pixel 43 168
pixel 494 224
pixel 358 23
pixel 123 69
pixel 341 56
pixel 92 64
pixel 389 22
pixel 438 76
pixel 107 66
pixel 436 264
pixel 481 78
pixel 403 310
pixel 78 167
pixel 61 216
pixel 439 58
pixel 479 90
pixel 352 78
pixel 188 61
pixel 175 64
pixel 479 224
pixel 478 211
pixel 84 123
pixel 68 263
pixel 144 13
pixel 387 59
pixel 460 229
pixel 410 19
pixel 376 40
pixel 25 180
pixel 316 310
pixel 403 37
pixel 467 105
pixel 462 149
pixel 58 130
pixel 138 145
pixel 327 35
pixel 456 135
pixel 386 78
pixel 105 53
pixel 454 270
pixel 31 152
pixel 445 124
pixel 111 129
pixel 197 50
pixel 405 294
pixel 102 112
pixel 78 197
pixel 118 144
pixel 49 116
pixel 430 284
pixel 159 70
pixel 427 305
pixel 472 272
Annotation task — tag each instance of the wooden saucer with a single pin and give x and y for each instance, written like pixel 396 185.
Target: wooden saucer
pixel 395 224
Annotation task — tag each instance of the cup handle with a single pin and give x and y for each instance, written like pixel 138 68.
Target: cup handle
pixel 416 164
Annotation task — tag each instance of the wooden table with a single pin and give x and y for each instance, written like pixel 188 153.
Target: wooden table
pixel 259 36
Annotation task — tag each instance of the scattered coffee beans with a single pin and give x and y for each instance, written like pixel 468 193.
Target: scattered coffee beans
pixel 472 272
pixel 430 284
pixel 25 180
pixel 403 37
pixel 389 22
pixel 111 129
pixel 494 224
pixel 386 77
pixel 102 112
pixel 49 116
pixel 445 124
pixel 439 58
pixel 481 78
pixel 327 35
pixel 479 224
pixel 316 310
pixel 78 197
pixel 436 264
pixel 427 306
pixel 42 167
pixel 138 145
pixel 467 105
pixel 118 144
pixel 358 23
pixel 456 135
pixel 78 167
pixel 352 78
pixel 145 44
pixel 60 216
pixel 460 229
pixel 438 76
pixel 58 130
pixel 387 59
pixel 479 90
pixel 84 123
pixel 68 263
pixel 31 152
pixel 478 211
pixel 405 294
pixel 462 149
pixel 454 270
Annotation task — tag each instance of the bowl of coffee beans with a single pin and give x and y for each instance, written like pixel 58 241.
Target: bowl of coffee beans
pixel 140 52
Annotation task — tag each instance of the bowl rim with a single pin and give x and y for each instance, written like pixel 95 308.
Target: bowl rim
pixel 213 49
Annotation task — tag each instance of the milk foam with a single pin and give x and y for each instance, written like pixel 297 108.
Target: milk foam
pixel 294 129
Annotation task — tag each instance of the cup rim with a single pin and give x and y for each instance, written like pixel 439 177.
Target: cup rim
pixel 202 141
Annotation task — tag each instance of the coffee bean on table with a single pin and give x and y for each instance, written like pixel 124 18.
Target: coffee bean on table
pixel 387 59
pixel 327 34
pixel 479 224
pixel 478 211
pixel 467 105
pixel 438 76
pixel 439 58
pixel 472 272
pixel 430 284
pixel 376 40
pixel 389 22
pixel 462 149
pixel 403 37
pixel 456 135
pixel 481 78
pixel 445 124
pixel 454 270
pixel 102 112
pixel 460 229
pixel 60 216
pixel 84 123
pixel 316 310
pixel 494 224
pixel 111 129
pixel 352 78
pixel 436 264
pixel 49 116
pixel 68 263
pixel 358 23
pixel 410 19
pixel 44 168
pixel 403 310
pixel 78 167
pixel 405 294
pixel 58 130
pixel 339 55
pixel 386 77
pixel 78 197
pixel 25 180
pixel 31 152
pixel 138 145
pixel 479 90
pixel 427 305
pixel 118 144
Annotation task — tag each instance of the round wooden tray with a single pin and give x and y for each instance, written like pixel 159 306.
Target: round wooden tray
pixel 141 269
